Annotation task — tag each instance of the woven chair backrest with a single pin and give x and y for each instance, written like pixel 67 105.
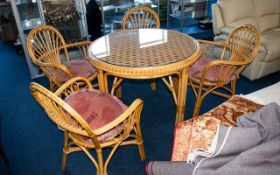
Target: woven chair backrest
pixel 61 113
pixel 43 43
pixel 140 17
pixel 243 43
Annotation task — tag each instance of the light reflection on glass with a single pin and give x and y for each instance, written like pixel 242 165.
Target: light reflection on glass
pixel 101 47
pixel 151 37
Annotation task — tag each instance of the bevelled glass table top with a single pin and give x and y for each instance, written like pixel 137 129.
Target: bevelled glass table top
pixel 143 48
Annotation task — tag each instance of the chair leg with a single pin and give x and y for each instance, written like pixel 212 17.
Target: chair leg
pixel 101 168
pixel 141 151
pixel 140 143
pixel 119 91
pixel 52 85
pixel 65 151
pixel 198 102
pixel 153 85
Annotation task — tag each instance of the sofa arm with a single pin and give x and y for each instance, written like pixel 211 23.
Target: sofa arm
pixel 217 18
pixel 169 168
pixel 227 30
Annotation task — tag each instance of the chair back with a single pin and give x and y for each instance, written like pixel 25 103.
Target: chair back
pixel 243 43
pixel 43 43
pixel 140 17
pixel 61 113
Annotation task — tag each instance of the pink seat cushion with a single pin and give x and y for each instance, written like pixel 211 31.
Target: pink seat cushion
pixel 96 107
pixel 214 73
pixel 78 68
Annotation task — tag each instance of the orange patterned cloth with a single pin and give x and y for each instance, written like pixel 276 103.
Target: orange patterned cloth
pixel 198 133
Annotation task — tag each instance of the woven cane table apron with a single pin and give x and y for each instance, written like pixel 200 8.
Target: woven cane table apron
pixel 145 54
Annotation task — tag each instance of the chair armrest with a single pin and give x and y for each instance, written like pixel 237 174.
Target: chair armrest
pixel 82 47
pixel 211 43
pixel 56 66
pixel 211 49
pixel 78 44
pixel 73 85
pixel 225 62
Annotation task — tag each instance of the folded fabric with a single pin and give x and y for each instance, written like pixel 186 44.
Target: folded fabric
pixel 197 134
pixel 250 148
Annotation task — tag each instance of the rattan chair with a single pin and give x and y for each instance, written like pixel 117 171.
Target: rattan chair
pixel 211 72
pixel 58 60
pixel 84 131
pixel 140 17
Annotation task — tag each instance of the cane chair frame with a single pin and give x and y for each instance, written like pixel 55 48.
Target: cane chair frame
pixel 75 132
pixel 45 45
pixel 238 51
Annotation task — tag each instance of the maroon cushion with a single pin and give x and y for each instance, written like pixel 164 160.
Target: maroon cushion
pixel 214 73
pixel 96 107
pixel 77 68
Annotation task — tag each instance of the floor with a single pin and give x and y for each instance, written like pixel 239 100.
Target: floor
pixel 33 144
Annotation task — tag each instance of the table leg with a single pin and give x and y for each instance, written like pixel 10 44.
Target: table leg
pixel 102 81
pixel 175 80
pixel 182 94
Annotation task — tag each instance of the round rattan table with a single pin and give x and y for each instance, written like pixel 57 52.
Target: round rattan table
pixel 146 54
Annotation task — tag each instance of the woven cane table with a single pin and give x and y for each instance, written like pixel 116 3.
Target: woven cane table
pixel 146 54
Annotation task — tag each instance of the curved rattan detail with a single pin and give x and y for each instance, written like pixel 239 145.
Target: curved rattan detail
pixel 78 134
pixel 237 52
pixel 140 17
pixel 47 48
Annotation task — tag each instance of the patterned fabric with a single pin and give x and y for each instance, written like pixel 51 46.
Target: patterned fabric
pixel 97 108
pixel 197 133
pixel 217 72
pixel 77 68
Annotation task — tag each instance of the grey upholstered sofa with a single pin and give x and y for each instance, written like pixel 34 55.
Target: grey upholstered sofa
pixel 265 15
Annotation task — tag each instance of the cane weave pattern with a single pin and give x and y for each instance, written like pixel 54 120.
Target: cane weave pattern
pixel 125 50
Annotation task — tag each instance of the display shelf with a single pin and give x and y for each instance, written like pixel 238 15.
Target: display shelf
pixel 27 15
pixel 68 16
pixel 29 24
pixel 188 12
